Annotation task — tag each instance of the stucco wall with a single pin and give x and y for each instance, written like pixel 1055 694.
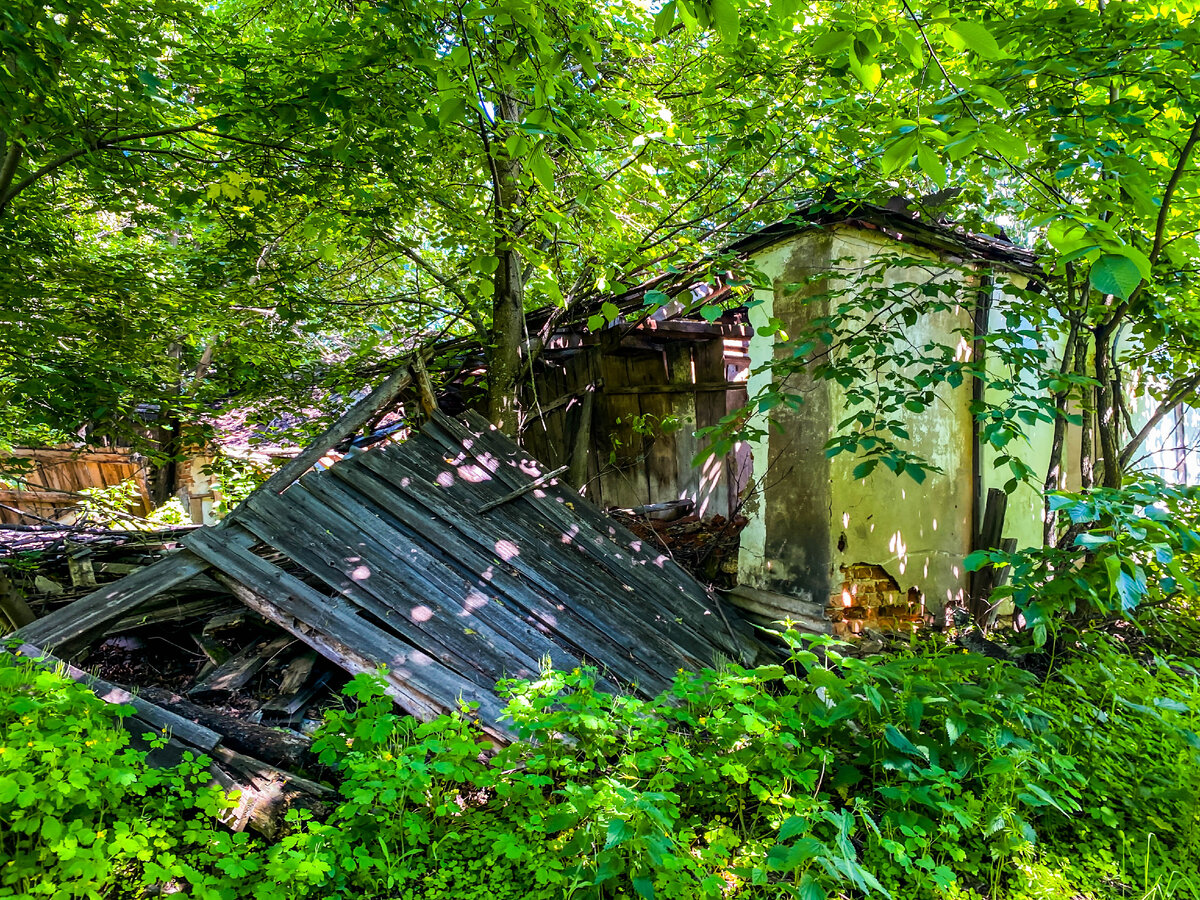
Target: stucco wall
pixel 810 517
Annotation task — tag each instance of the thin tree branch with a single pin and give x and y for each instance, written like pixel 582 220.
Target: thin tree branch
pixel 1175 396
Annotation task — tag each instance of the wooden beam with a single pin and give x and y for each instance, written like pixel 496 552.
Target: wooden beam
pixel 89 615
pixel 425 387
pixel 60 455
pixel 37 495
pixel 13 607
pixel 150 713
pixel 523 490
pixel 582 448
pixel 703 387
pixel 355 418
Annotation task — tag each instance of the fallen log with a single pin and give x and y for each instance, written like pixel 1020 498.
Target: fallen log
pixel 267 744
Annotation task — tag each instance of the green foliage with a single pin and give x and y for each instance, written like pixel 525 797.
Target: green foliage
pixel 933 774
pixel 928 775
pixel 1130 547
pixel 888 337
pixel 84 813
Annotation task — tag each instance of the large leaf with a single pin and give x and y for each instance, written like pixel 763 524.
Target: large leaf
pixel 973 36
pixel 726 19
pixel 1116 275
pixel 894 737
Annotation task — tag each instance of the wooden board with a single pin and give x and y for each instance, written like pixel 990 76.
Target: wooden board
pixel 88 616
pixel 421 684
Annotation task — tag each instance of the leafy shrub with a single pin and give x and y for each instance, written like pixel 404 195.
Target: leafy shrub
pixel 933 774
pixel 1124 549
pixel 860 776
pixel 82 811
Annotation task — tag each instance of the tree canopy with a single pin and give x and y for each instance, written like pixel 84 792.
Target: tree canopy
pixel 261 199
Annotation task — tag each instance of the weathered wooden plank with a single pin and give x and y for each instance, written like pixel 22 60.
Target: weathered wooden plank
pixel 353 419
pixel 681 369
pixel 521 491
pixel 659 455
pixel 415 591
pixel 306 543
pixel 557 565
pixel 714 476
pixel 150 713
pixel 417 681
pixel 702 387
pixel 13 608
pixel 527 590
pixel 268 744
pixel 612 546
pixel 266 793
pixel 581 441
pixel 88 616
pixel 236 671
pixel 771 607
pixel 68 455
pixel 38 495
pixel 469 600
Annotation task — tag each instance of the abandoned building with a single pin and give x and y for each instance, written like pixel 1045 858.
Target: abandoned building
pixel 618 406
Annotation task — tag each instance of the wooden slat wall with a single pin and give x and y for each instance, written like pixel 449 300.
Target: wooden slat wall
pixel 626 468
pixel 60 473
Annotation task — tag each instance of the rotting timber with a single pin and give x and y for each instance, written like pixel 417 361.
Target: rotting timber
pixel 385 561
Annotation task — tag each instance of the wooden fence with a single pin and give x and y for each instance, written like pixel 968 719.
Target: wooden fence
pixel 50 487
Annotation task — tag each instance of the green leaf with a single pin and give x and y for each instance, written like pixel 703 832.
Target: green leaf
pixel 1174 705
pixel 664 20
pixel 655 298
pixel 610 311
pixel 865 67
pixel 977 560
pixel 864 468
pixel 619 831
pixel 989 94
pixel 793 826
pixel 644 885
pixel 725 19
pixel 1115 274
pixel 596 322
pixel 785 10
pixel 973 36
pixel 543 170
pixel 899 154
pixel 452 111
pixel 810 889
pixel 893 736
pixel 931 165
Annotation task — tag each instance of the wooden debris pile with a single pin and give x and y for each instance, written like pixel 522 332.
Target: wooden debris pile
pixel 46 568
pixel 705 547
pixel 444 563
pixel 447 563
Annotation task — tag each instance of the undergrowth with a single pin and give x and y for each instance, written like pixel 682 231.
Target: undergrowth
pixel 935 774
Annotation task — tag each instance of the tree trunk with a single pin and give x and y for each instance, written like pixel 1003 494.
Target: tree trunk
pixel 1054 480
pixel 508 300
pixel 1087 428
pixel 1108 420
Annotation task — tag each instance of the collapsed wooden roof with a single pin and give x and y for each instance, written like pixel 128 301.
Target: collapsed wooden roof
pixel 453 560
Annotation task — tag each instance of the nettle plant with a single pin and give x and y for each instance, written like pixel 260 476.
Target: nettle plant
pixel 82 810
pixel 826 775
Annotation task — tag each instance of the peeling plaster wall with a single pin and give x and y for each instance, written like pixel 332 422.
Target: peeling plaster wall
pixel 809 517
pixel 918 532
pixel 785 546
pixel 1023 520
